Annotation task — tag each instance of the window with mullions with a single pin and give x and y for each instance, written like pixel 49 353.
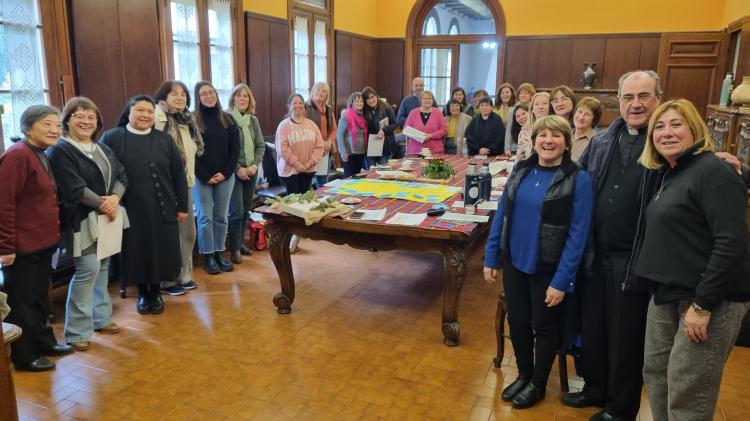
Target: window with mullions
pixel 23 79
pixel 202 43
pixel 310 43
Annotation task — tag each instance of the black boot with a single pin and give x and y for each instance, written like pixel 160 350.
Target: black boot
pixel 142 306
pixel 210 265
pixel 223 264
pixel 155 301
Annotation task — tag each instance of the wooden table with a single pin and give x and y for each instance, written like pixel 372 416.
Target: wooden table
pixel 455 244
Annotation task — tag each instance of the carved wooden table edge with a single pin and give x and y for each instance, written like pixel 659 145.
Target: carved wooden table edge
pixel 455 247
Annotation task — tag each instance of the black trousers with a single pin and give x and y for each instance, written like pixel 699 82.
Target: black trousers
pixel 534 327
pixel 298 183
pixel 613 332
pixel 354 165
pixel 27 286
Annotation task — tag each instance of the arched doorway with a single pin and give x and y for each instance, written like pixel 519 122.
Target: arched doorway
pixel 455 43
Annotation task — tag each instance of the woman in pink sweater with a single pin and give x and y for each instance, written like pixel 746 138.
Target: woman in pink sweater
pixel 430 120
pixel 299 147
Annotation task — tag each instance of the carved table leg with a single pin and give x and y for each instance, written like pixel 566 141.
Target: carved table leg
pixel 278 244
pixel 455 270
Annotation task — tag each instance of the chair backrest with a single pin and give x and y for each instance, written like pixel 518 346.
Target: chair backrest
pixel 269 165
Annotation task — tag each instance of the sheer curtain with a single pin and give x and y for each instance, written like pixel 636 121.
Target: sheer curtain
pixel 220 41
pixel 301 56
pixel 185 42
pixel 321 51
pixel 22 67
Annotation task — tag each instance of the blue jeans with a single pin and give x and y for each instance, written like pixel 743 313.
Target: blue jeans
pixel 239 206
pixel 88 306
pixel 212 207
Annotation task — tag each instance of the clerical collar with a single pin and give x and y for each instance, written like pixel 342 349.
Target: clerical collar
pixel 132 129
pixel 636 132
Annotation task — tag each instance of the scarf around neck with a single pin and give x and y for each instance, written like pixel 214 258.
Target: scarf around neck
pixel 356 120
pixel 184 117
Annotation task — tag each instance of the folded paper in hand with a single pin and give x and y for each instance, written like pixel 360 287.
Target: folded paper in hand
pixel 415 134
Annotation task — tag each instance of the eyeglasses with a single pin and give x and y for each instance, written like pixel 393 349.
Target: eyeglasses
pixel 560 100
pixel 79 116
pixel 207 94
pixel 642 97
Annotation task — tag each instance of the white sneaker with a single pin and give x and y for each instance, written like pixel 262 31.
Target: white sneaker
pixel 294 244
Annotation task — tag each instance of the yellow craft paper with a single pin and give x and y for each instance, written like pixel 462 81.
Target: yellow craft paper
pixel 415 192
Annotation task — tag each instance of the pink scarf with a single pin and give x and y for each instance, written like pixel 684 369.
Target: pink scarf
pixel 356 120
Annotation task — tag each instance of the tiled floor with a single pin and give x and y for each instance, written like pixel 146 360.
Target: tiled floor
pixel 363 342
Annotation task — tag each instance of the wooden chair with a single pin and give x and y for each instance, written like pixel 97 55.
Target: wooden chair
pixel 502 311
pixel 8 406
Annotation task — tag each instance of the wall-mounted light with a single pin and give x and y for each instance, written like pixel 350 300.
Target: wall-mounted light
pixel 489 45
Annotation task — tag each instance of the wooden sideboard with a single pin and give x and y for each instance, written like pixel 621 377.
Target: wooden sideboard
pixel 730 130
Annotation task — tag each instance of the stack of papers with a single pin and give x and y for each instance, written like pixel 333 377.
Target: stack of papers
pixel 415 134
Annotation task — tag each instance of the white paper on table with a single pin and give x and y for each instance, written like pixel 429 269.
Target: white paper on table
pixel 462 217
pixel 392 174
pixel 375 145
pixel 499 166
pixel 415 134
pixel 382 123
pixel 402 218
pixel 109 241
pixel 371 214
pixel 322 168
pixel 491 205
pixel 499 181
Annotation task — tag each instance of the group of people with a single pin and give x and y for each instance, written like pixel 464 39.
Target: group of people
pixel 66 184
pixel 491 128
pixel 634 236
pixel 641 247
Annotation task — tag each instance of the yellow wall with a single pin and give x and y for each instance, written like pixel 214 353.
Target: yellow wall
pixel 735 9
pixel 387 18
pixel 275 8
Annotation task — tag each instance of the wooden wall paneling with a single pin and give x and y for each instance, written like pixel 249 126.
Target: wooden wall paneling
pixel 521 61
pixel 389 73
pixel 620 55
pixel 649 57
pixel 344 69
pixel 281 71
pixel 553 67
pixel 259 70
pixel 743 64
pixel 359 64
pixel 691 66
pixel 585 50
pixel 98 58
pixel 139 34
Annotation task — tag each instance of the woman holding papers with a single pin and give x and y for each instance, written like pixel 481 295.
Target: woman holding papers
pixel 29 235
pixel 90 182
pixel 538 236
pixel 156 201
pixel 381 122
pixel 430 127
pixel 352 135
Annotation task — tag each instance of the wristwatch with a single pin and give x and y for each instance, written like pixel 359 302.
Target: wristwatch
pixel 700 310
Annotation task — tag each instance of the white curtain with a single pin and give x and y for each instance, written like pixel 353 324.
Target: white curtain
pixel 220 39
pixel 21 62
pixel 185 42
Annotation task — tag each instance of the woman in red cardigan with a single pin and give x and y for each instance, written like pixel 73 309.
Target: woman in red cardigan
pixel 29 234
pixel 429 120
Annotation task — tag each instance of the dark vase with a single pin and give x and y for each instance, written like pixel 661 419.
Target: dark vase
pixel 589 75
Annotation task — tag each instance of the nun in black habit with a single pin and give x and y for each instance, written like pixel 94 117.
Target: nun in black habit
pixel 155 201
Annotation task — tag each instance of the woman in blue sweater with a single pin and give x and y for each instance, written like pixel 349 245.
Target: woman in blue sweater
pixel 538 234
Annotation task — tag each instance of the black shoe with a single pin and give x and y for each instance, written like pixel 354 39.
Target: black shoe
pixel 223 264
pixel 191 284
pixel 157 305
pixel 579 400
pixel 245 251
pixel 210 265
pixel 603 415
pixel 57 350
pixel 40 364
pixel 527 397
pixel 174 290
pixel 236 257
pixel 142 306
pixel 515 387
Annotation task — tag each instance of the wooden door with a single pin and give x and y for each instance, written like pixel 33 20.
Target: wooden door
pixel 691 66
